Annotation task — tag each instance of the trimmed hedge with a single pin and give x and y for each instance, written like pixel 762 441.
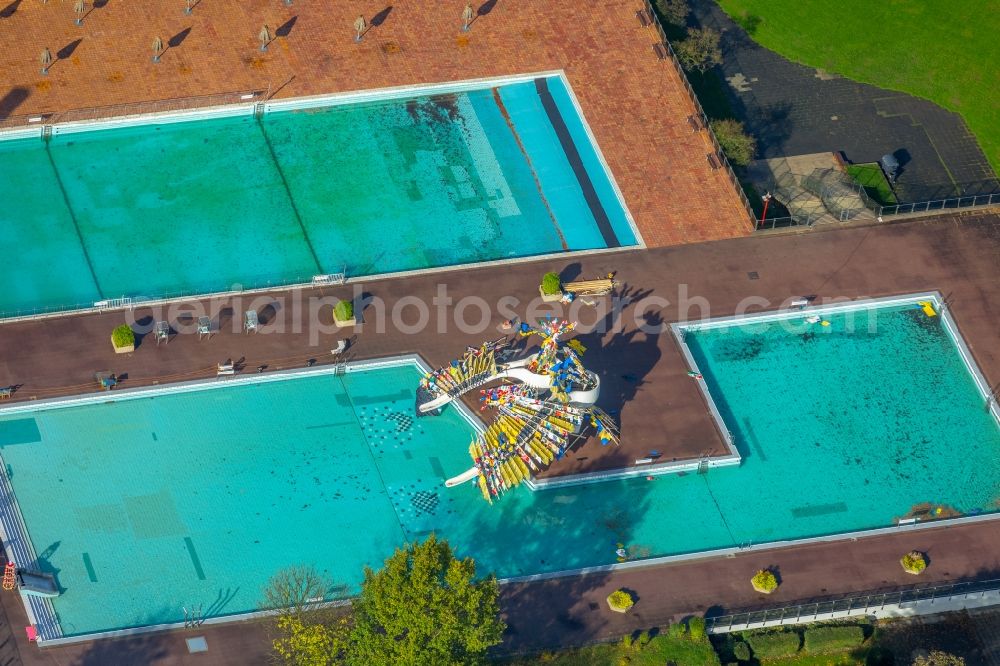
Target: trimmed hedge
pixel 551 284
pixel 914 562
pixel 621 600
pixel 123 336
pixel 832 639
pixel 764 581
pixel 343 310
pixel 696 628
pixel 774 644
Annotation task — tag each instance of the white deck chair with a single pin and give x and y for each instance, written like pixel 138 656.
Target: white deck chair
pixel 341 347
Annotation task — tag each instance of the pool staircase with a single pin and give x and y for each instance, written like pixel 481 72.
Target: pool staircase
pixel 703 467
pixel 36 583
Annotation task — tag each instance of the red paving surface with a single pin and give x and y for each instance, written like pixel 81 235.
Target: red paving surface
pixel 958 255
pixel 636 105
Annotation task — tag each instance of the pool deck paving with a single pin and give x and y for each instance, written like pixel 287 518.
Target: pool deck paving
pixel 644 381
pixel 636 104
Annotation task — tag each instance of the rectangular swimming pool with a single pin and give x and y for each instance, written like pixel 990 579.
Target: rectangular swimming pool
pixel 403 182
pixel 192 496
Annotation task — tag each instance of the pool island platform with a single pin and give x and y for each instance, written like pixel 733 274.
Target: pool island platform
pixel 955 255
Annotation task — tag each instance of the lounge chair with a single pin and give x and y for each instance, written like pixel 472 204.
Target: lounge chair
pixel 250 321
pixel 341 347
pixel 204 327
pixel 162 332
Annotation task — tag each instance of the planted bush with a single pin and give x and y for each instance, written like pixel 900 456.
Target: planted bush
pixel 764 581
pixel 123 336
pixel 914 562
pixel 696 627
pixel 343 310
pixel 620 600
pixel 738 146
pixel 551 284
pixel 676 630
pixel 833 639
pixel 774 644
pixel 741 651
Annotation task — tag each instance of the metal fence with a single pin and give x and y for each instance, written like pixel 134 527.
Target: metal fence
pixel 951 203
pixel 882 212
pixel 854 605
pixel 133 109
pixel 719 155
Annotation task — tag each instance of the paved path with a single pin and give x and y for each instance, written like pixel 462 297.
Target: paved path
pixel 793 109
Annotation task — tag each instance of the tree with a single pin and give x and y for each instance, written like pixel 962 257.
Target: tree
pixel 293 589
pixel 700 51
pixel 674 11
pixel 738 146
pixel 939 658
pixel 424 607
pixel 309 631
pixel 307 644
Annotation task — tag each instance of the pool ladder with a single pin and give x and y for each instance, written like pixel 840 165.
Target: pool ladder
pixel 193 617
pixel 703 466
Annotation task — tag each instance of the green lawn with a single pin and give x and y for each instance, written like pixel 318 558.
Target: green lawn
pixel 870 177
pixel 947 52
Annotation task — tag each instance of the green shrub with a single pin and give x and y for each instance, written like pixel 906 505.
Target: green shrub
pixel 343 310
pixel 774 644
pixel 696 627
pixel 676 630
pixel 551 284
pixel 764 581
pixel 914 562
pixel 738 146
pixel 620 600
pixel 833 639
pixel 643 639
pixel 674 11
pixel 741 651
pixel 123 336
pixel 627 641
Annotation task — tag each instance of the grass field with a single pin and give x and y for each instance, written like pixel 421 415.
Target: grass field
pixel 870 177
pixel 943 51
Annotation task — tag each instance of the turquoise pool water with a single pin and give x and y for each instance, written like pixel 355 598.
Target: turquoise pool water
pixel 375 187
pixel 146 505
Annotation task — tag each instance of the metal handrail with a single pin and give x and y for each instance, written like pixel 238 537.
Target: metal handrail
pixel 952 203
pixel 858 604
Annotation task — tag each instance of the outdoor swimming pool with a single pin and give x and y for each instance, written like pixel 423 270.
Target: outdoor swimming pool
pixel 192 496
pixel 420 181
